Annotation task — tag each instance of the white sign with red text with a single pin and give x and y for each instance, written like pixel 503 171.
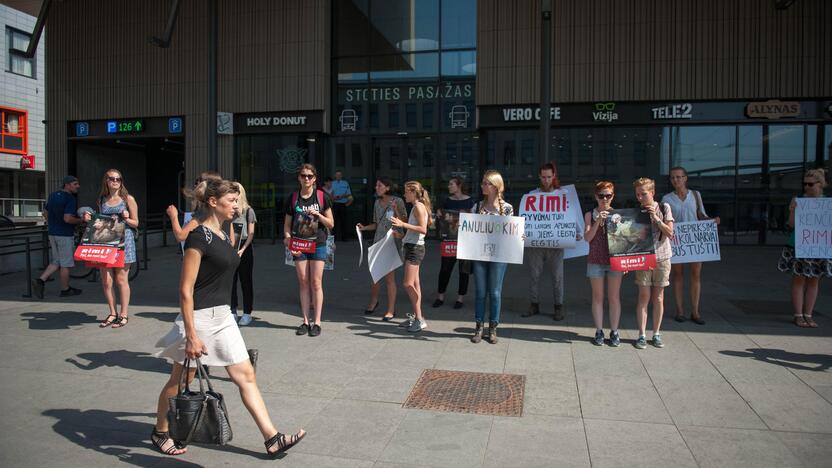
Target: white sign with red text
pixel 551 221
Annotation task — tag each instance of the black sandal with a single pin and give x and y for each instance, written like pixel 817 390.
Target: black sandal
pixel 122 321
pixel 112 318
pixel 283 442
pixel 159 439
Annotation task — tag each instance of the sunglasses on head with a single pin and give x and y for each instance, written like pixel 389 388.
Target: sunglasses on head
pixel 307 176
pixel 114 179
pixel 604 196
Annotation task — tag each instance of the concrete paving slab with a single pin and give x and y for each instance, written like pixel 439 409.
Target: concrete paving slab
pixel 631 399
pixel 793 407
pixel 552 394
pixel 706 404
pixel 620 443
pixel 516 442
pixel 813 450
pixel 716 447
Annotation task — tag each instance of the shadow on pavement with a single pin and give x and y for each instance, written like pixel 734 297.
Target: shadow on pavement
pixel 811 362
pixel 132 360
pixel 62 320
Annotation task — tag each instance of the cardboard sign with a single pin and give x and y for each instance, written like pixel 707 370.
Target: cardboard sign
pixel 630 239
pixel 302 245
pixel 96 254
pixel 551 223
pixel 117 263
pixel 696 241
pixel 813 228
pixel 447 248
pixel 581 248
pixel 383 257
pixel 489 238
pixel 103 239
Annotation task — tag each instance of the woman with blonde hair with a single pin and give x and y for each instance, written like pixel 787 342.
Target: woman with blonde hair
pixel 243 228
pixel 806 272
pixel 488 276
pixel 414 247
pixel 114 200
pixel 205 327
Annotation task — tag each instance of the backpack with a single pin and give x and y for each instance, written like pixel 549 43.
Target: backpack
pixel 320 198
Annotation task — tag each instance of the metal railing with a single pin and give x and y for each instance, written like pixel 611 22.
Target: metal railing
pixel 22 207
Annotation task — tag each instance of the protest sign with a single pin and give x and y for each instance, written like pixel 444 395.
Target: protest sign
pixel 630 239
pixel 581 248
pixel 813 228
pixel 102 240
pixel 447 224
pixel 329 263
pixel 490 238
pixel 551 223
pixel 383 257
pixel 696 241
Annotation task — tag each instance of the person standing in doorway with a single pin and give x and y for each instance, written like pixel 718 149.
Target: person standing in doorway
pixel 308 217
pixel 342 195
pixel 61 217
pixel 651 283
pixel 243 228
pixel 538 258
pixel 114 200
pixel 686 206
pixel 457 202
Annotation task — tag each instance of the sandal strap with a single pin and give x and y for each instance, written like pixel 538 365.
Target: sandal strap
pixel 279 439
pixel 159 439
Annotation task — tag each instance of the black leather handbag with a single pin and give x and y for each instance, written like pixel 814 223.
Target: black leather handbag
pixel 199 417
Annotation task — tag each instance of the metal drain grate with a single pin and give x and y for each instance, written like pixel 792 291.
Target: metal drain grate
pixel 468 392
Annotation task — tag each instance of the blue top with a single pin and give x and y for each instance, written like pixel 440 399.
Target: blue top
pixel 59 204
pixel 340 188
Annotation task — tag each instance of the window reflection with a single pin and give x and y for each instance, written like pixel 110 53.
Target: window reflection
pixel 405 67
pixel 456 64
pixel 405 25
pixel 459 24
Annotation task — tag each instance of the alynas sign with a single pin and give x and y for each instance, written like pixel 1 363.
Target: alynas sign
pixel 551 222
pixel 490 238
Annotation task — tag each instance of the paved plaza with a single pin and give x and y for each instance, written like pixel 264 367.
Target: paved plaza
pixel 747 389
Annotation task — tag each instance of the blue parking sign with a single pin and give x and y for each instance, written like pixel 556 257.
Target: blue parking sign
pixel 112 126
pixel 82 129
pixel 175 125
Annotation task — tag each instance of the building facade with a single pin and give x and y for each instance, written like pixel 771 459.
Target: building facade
pixel 736 92
pixel 22 112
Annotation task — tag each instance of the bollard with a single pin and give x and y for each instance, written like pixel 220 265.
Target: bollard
pixel 28 270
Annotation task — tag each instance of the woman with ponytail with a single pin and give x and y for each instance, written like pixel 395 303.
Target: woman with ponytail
pixel 414 248
pixel 205 327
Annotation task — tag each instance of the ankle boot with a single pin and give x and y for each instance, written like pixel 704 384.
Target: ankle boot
pixel 534 309
pixel 492 332
pixel 477 333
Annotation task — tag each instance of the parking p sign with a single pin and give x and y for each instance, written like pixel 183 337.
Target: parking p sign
pixel 175 125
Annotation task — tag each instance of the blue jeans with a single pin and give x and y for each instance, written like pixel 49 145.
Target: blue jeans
pixel 488 279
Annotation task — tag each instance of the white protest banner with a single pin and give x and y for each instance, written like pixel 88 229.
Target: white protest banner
pixel 550 222
pixel 581 248
pixel 813 228
pixel 696 241
pixel 360 245
pixel 383 257
pixel 490 238
pixel 329 263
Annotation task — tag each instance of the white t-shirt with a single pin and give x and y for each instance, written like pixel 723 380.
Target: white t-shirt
pixel 684 210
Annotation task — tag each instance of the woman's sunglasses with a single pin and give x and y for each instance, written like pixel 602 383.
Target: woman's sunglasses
pixel 114 179
pixel 604 196
pixel 809 184
pixel 307 176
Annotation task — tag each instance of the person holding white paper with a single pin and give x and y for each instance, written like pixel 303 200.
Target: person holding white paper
pixel 414 247
pixel 386 207
pixel 488 276
pixel 686 206
pixel 806 272
pixel 308 217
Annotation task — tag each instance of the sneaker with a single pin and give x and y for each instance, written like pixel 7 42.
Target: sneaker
pixel 70 292
pixel 599 337
pixel 641 342
pixel 615 339
pixel 657 340
pixel 417 326
pixel 37 288
pixel 302 329
pixel 409 321
pixel 245 320
pixel 315 330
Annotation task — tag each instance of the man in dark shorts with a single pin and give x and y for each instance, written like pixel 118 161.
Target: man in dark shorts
pixel 62 218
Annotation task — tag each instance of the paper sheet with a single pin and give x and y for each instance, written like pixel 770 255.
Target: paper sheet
pixel 360 246
pixel 383 257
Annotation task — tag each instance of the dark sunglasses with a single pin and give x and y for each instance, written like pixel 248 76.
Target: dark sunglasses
pixel 306 176
pixel 114 179
pixel 604 196
pixel 809 184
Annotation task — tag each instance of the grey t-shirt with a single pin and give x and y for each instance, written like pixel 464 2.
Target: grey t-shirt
pixel 241 223
pixel 383 213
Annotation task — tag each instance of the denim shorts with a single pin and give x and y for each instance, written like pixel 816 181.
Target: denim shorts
pixel 596 270
pixel 318 256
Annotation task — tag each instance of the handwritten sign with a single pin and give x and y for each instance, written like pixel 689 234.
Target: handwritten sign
pixel 489 238
pixel 551 222
pixel 696 241
pixel 813 228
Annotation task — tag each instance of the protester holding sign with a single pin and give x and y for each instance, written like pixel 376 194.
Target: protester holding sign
pixel 651 283
pixel 598 265
pixel 414 247
pixel 447 220
pixel 686 206
pixel 806 272
pixel 488 276
pixel 114 200
pixel 386 207
pixel 539 257
pixel 308 217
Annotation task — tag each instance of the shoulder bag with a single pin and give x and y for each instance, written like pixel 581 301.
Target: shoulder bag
pixel 199 417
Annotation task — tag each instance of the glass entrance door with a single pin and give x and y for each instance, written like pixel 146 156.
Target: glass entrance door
pixel 407 158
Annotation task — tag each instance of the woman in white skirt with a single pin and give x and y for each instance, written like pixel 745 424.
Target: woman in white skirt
pixel 205 327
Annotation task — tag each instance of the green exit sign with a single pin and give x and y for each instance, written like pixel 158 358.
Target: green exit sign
pixel 125 126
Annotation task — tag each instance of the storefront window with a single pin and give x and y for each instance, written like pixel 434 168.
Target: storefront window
pixel 459 24
pixel 459 64
pixel 750 212
pixel 405 25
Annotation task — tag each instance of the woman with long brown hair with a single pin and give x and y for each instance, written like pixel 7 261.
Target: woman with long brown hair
pixel 116 201
pixel 413 239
